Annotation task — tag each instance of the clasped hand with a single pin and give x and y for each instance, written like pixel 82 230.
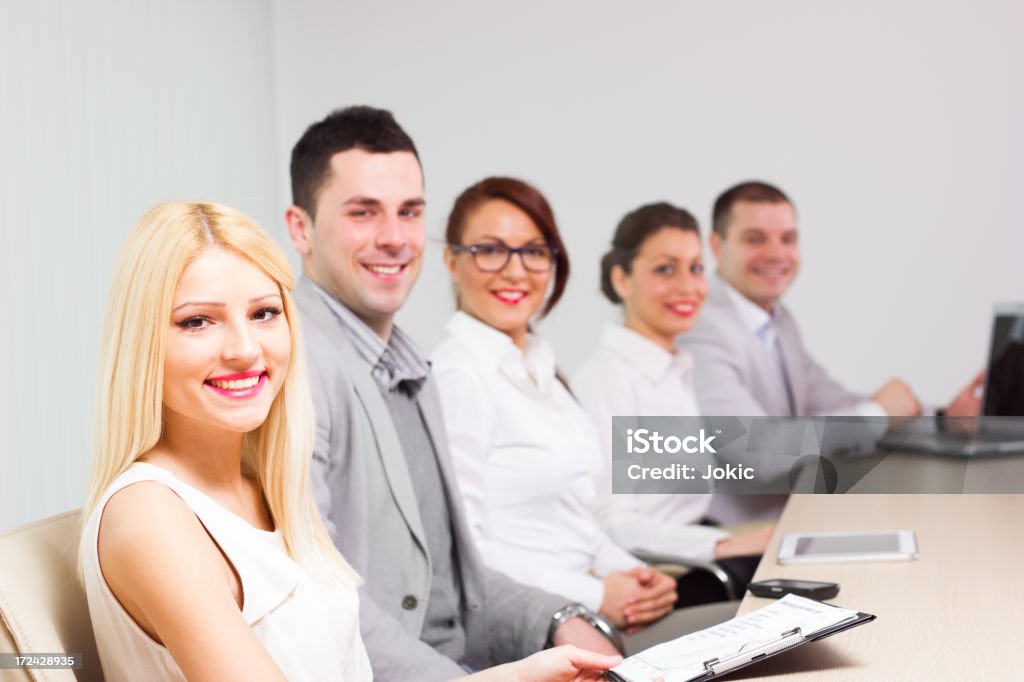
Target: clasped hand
pixel 637 597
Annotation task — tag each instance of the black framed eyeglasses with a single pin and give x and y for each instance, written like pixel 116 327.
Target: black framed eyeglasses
pixel 493 257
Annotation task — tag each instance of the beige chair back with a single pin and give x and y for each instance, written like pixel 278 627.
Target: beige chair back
pixel 42 602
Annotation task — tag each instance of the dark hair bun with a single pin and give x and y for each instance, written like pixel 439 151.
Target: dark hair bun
pixel 607 263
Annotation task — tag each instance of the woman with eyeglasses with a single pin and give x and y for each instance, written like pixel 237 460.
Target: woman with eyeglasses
pixel 202 554
pixel 526 456
pixel 655 271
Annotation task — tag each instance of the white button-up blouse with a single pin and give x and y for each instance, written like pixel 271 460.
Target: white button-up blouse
pixel 527 460
pixel 630 375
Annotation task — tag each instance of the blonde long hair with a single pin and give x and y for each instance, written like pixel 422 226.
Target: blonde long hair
pixel 129 414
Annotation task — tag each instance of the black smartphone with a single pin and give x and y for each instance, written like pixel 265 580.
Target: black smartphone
pixel 776 588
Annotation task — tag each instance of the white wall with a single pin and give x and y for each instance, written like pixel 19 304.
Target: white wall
pixel 895 126
pixel 106 108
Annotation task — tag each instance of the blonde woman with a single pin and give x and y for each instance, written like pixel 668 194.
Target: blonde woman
pixel 202 554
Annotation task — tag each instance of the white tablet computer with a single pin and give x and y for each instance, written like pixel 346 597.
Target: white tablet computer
pixel 883 545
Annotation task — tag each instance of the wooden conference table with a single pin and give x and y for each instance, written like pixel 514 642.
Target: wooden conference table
pixel 954 613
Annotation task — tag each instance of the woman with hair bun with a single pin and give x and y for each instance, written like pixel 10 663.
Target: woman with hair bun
pixel 655 271
pixel 202 553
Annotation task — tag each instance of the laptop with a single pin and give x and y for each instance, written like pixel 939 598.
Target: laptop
pixel 1000 428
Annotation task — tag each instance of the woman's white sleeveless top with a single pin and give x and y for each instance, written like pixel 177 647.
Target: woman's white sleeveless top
pixel 311 632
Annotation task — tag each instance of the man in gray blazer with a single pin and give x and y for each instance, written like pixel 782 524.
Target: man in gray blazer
pixel 381 470
pixel 749 359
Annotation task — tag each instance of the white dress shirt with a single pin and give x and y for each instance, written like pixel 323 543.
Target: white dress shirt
pixel 762 324
pixel 527 460
pixel 630 375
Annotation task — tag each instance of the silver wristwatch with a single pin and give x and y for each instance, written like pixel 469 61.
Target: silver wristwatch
pixel 570 611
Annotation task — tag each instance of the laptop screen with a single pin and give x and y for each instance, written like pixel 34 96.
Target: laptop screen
pixel 1004 384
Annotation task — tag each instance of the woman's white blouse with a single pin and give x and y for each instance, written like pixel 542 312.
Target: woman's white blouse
pixel 311 631
pixel 527 462
pixel 630 375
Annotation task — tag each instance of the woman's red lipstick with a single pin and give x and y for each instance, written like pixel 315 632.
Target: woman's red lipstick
pixel 239 385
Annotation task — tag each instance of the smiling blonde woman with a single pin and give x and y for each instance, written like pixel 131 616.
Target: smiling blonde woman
pixel 202 547
pixel 202 554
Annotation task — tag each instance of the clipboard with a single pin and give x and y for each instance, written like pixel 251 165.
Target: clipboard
pixel 786 641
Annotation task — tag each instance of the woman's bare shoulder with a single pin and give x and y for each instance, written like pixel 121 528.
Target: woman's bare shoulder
pixel 148 512
pixel 149 536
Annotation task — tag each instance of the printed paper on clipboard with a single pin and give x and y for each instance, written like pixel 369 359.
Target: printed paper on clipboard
pixel 715 651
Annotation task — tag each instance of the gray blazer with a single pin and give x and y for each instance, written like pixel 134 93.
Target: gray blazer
pixel 364 492
pixel 735 377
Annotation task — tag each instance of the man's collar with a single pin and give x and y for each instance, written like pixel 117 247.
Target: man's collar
pixel 399 355
pixel 754 316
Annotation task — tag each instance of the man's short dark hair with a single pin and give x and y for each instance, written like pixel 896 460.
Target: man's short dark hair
pixel 752 191
pixel 360 127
